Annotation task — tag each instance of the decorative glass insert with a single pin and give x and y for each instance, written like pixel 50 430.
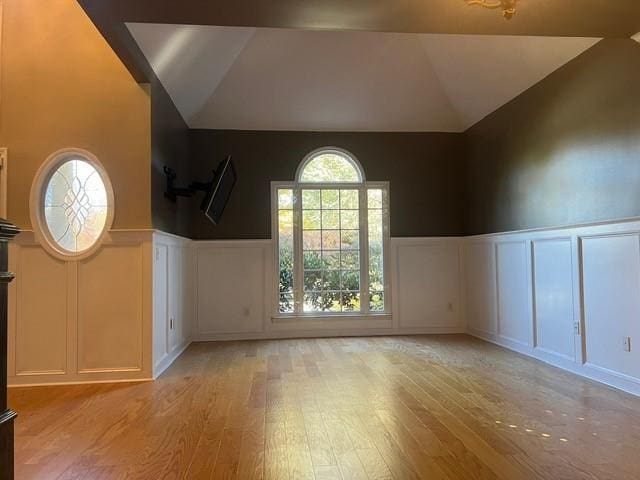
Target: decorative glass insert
pixel 330 167
pixel 75 205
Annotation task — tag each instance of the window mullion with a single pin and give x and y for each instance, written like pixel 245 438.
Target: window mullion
pixel 364 250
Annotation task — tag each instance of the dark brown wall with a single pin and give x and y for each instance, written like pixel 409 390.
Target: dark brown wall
pixel 566 151
pixel 423 170
pixel 170 147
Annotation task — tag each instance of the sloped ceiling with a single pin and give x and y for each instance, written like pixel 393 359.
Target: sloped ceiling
pixel 284 79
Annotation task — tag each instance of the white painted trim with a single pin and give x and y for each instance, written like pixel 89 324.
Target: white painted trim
pixel 361 332
pixel 168 360
pixel 575 234
pixel 591 372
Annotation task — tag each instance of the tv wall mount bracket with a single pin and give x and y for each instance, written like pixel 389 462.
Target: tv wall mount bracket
pixel 172 192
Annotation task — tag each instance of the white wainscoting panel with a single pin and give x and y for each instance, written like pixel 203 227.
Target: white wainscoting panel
pixel 611 282
pixel 231 288
pixel 110 310
pixel 514 308
pixel 81 321
pixel 41 327
pixel 236 282
pixel 428 287
pixel 567 296
pixel 480 287
pixel 173 298
pixel 554 297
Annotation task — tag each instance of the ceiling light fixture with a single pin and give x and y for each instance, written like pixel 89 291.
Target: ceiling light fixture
pixel 508 6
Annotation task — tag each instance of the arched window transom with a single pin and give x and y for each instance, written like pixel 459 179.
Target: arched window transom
pixel 330 166
pixel 332 236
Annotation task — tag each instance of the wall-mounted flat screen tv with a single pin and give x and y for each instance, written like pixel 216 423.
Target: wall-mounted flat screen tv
pixel 224 180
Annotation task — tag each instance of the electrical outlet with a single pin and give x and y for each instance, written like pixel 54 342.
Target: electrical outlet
pixel 626 344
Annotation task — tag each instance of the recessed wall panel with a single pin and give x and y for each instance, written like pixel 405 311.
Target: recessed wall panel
pixel 41 327
pixel 553 296
pixel 513 292
pixel 110 310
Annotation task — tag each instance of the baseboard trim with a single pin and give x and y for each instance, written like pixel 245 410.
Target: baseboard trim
pixel 168 360
pixel 282 335
pixel 586 371
pixel 79 382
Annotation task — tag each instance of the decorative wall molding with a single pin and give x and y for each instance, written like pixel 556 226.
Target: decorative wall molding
pixel 546 293
pixel 173 298
pixel 571 294
pixel 235 282
pixel 81 320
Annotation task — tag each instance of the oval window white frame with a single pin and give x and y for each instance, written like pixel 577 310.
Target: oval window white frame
pixel 36 203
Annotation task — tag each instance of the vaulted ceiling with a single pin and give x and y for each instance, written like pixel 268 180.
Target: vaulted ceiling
pixel 284 79
pixel 419 65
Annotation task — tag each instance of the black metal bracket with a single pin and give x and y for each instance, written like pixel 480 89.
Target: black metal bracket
pixel 172 192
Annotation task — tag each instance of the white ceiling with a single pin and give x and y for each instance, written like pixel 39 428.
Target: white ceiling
pixel 277 79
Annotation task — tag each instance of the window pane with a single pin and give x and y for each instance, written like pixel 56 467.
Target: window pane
pixel 285 199
pixel 310 199
pixel 376 258
pixel 312 260
pixel 312 240
pixel 313 302
pixel 349 219
pixel 286 303
pixel 331 239
pixel 350 260
pixel 312 280
pixel 286 260
pixel 350 239
pixel 332 280
pixel 350 301
pixel 330 199
pixel 75 205
pixel 349 199
pixel 350 280
pixel 330 167
pixel 311 220
pixel 374 198
pixel 331 219
pixel 331 259
pixel 376 301
pixel 332 303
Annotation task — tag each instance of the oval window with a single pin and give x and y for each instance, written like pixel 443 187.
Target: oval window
pixel 73 202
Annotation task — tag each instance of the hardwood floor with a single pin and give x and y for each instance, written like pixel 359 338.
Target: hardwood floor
pixel 437 407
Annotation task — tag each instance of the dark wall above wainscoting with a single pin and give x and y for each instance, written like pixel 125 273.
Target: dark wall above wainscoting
pixel 565 152
pixel 424 171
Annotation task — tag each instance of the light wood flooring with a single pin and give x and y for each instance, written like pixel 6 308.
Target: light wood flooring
pixel 433 407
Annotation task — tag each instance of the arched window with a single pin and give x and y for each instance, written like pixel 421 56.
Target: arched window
pixel 332 235
pixel 71 203
pixel 329 166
